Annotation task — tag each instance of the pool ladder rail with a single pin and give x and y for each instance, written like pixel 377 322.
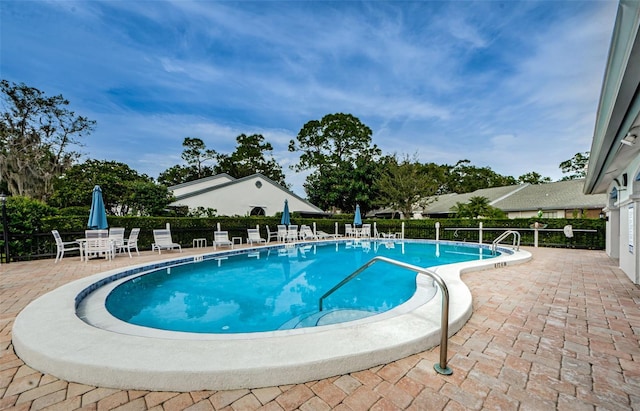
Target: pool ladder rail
pixel 441 367
pixel 515 244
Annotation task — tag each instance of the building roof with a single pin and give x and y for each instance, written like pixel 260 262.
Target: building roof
pixel 444 203
pixel 618 114
pixel 550 196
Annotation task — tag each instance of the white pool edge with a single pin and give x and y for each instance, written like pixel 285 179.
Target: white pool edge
pixel 49 337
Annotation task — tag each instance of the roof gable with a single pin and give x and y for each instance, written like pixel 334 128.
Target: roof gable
pixel 200 188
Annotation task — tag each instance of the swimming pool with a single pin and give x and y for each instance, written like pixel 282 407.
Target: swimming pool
pixel 277 289
pixel 49 335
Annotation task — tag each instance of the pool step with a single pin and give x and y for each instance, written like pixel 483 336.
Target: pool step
pixel 325 318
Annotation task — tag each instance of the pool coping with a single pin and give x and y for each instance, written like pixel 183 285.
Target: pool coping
pixel 50 337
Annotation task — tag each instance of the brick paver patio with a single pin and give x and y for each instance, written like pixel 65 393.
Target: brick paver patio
pixel 560 332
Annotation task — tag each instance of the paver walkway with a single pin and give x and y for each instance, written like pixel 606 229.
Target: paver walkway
pixel 560 332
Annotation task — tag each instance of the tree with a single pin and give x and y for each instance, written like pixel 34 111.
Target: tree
pixel 119 185
pixel 533 178
pixel 477 207
pixel 252 155
pixel 465 178
pixel 177 175
pixel 145 198
pixel 344 166
pixel 577 165
pixel 438 174
pixel 406 184
pixel 36 133
pixel 196 153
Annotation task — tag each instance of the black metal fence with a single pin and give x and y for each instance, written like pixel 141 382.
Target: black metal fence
pixel 588 234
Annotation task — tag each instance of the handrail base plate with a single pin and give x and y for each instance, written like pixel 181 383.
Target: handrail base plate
pixel 443 371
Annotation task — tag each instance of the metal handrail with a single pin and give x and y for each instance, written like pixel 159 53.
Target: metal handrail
pixel 516 240
pixel 441 367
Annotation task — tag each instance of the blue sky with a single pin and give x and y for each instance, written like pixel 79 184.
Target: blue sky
pixel 513 85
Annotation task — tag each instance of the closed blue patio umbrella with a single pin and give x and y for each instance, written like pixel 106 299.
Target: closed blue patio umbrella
pixel 98 215
pixel 357 218
pixel 286 218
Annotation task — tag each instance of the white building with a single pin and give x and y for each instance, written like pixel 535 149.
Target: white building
pixel 614 164
pixel 251 195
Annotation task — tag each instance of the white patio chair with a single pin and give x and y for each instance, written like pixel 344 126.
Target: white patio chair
pixel 96 234
pixel 162 241
pixel 131 243
pixel 116 234
pixel 349 231
pixel 221 238
pixel 282 232
pixel 365 231
pixel 63 246
pixel 271 235
pixel 292 233
pixel 98 247
pixel 91 235
pixel 253 236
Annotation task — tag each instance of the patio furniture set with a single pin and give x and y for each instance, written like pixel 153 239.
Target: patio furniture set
pixel 109 242
pixel 98 243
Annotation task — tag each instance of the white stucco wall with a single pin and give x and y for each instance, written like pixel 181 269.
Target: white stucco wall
pixel 612 237
pixel 623 224
pixel 242 197
pixel 627 253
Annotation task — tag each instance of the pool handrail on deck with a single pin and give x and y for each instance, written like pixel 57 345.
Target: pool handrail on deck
pixel 441 367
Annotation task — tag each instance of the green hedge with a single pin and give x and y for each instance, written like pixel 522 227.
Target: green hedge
pixel 39 242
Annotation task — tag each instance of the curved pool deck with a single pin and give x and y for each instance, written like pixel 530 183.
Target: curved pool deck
pixel 50 337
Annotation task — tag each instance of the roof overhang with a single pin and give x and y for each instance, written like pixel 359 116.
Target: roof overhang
pixel 619 107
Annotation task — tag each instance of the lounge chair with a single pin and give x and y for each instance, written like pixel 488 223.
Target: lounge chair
pixel 63 246
pixel 162 241
pixel 131 243
pixel 221 238
pixel 324 235
pixel 306 233
pixel 380 234
pixel 253 236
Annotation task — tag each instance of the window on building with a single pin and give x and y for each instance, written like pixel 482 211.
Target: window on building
pixel 257 211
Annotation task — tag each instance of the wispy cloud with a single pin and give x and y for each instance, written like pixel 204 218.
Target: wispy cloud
pixel 511 85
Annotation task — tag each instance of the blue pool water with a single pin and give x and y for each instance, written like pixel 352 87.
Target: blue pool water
pixel 279 288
